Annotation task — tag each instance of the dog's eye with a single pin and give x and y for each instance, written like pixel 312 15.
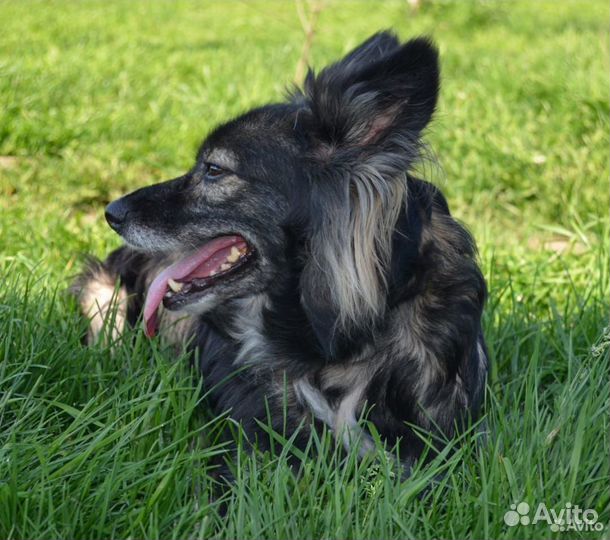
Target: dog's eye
pixel 213 172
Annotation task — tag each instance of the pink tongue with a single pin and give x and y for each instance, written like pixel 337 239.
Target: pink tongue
pixel 179 270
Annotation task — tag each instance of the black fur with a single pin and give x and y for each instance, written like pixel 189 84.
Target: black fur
pixel 364 294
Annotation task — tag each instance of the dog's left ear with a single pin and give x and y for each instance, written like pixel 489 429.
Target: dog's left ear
pixel 366 114
pixel 378 92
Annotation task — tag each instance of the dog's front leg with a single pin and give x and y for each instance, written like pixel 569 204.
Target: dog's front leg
pixel 111 293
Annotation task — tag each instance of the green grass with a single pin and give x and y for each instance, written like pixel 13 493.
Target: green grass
pixel 98 98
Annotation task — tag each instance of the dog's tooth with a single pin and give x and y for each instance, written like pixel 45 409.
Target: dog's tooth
pixel 225 266
pixel 174 285
pixel 213 273
pixel 234 255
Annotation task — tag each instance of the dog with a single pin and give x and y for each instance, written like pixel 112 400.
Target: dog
pixel 315 279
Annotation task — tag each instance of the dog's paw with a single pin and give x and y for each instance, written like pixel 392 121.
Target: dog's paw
pixel 103 301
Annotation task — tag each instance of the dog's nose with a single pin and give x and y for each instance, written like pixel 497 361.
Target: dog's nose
pixel 115 213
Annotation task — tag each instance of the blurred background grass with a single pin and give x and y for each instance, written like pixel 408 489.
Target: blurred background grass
pixel 100 97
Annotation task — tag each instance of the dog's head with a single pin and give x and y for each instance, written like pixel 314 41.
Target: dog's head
pixel 314 185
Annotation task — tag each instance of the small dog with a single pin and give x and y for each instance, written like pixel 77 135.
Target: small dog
pixel 315 279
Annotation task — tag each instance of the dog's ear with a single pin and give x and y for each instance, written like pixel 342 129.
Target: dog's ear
pixel 366 114
pixel 378 92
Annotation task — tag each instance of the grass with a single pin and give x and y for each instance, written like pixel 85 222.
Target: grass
pixel 97 98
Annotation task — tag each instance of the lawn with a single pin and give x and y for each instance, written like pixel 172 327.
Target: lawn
pixel 100 97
